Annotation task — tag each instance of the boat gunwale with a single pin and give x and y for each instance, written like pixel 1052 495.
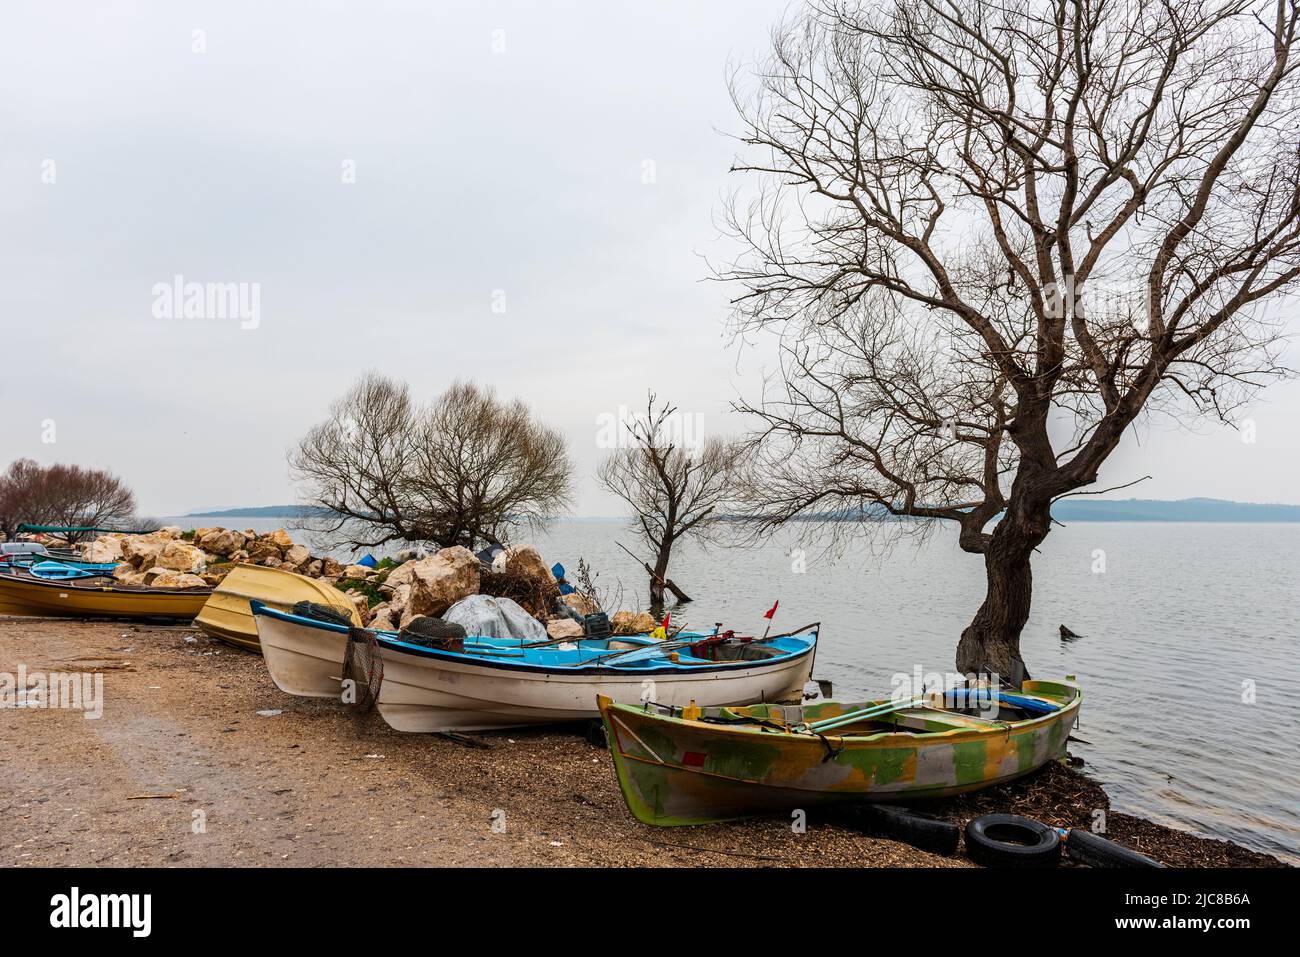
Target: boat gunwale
pixel 389 643
pixel 942 737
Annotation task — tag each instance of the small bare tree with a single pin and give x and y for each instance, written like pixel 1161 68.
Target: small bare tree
pixel 674 492
pixel 66 495
pixel 993 234
pixel 461 471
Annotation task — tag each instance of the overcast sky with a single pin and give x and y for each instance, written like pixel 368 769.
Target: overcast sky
pixel 500 154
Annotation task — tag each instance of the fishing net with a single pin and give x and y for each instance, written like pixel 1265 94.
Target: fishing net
pixel 364 668
pixel 319 612
pixel 434 633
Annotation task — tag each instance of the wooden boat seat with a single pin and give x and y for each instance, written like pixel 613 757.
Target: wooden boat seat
pixel 947 720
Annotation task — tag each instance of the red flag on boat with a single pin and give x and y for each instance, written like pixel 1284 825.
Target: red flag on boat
pixel 772 611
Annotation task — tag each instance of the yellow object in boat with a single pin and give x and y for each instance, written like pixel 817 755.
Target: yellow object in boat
pixel 227 614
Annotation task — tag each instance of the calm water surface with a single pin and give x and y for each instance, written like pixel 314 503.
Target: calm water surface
pixel 1185 621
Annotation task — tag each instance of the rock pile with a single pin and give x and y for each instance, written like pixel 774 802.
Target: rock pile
pixel 203 556
pixel 388 597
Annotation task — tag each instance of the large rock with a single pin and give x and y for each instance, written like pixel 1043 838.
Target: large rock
pixel 356 572
pixel 220 541
pixel 525 561
pixel 124 572
pixel 330 568
pixel 403 574
pixel 563 628
pixel 262 549
pixel 362 605
pixel 107 548
pixel 153 574
pixel 381 618
pixel 398 600
pixel 174 579
pixel 297 555
pixel 633 623
pixel 170 531
pixel 141 550
pixel 281 538
pixel 182 557
pixel 438 582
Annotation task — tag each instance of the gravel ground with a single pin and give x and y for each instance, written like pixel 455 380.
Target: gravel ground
pixel 182 770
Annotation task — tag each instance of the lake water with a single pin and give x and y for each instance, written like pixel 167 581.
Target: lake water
pixel 1188 655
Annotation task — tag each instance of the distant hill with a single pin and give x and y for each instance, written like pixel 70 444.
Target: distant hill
pixel 262 511
pixel 1183 510
pixel 1070 509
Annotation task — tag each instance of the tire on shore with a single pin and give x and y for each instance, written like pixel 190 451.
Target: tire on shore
pixel 1009 840
pixel 1094 850
pixel 921 831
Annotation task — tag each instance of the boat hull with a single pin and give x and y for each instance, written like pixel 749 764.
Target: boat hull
pixel 677 772
pixel 429 694
pixel 307 662
pixel 228 614
pixel 425 690
pixel 29 597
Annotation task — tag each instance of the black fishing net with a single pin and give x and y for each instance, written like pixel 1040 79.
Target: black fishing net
pixel 432 632
pixel 363 672
pixel 319 612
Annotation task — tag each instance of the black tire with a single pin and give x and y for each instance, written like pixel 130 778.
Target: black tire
pixel 921 831
pixel 319 612
pixel 1009 840
pixel 1096 851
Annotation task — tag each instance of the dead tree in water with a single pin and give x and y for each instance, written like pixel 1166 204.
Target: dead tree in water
pixel 674 492
pixel 990 236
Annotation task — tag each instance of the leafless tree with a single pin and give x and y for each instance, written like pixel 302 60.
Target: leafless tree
pixel 461 471
pixel 674 492
pixel 991 236
pixel 66 495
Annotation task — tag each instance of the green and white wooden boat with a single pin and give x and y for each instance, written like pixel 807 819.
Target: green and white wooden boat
pixel 698 765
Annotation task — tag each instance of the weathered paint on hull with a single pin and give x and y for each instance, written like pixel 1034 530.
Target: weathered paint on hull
pixel 676 772
pixel 62 599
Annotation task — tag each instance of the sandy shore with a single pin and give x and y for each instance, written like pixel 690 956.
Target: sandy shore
pixel 182 770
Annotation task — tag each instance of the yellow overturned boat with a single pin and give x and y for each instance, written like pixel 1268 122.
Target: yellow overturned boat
pixel 22 593
pixel 228 617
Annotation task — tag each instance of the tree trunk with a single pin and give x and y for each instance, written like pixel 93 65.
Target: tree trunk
pixel 991 643
pixel 658 572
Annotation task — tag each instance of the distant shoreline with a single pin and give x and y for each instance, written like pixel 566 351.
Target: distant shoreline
pixel 1101 510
